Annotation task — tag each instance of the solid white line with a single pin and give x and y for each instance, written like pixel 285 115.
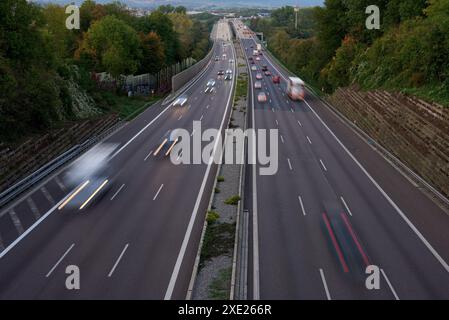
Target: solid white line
pixel 201 117
pixel 207 107
pixel 325 285
pixel 188 107
pixel 115 194
pixel 177 267
pixel 118 260
pixel 277 123
pixel 60 260
pixel 157 193
pixel 148 155
pixel 386 196
pixel 346 206
pixel 282 139
pixel 291 109
pixel 308 139
pixel 272 109
pixel 289 164
pixel 322 163
pixel 193 131
pixel 180 117
pixel 389 284
pixel 300 124
pixel 302 205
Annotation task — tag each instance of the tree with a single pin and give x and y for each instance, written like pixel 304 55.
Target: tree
pixel 153 53
pixel 116 46
pixel 160 23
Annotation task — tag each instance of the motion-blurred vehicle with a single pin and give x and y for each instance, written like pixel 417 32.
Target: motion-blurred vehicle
pixel 167 144
pixel 180 101
pixel 258 85
pixel 259 76
pixel 90 178
pixel 276 79
pixel 262 97
pixel 295 89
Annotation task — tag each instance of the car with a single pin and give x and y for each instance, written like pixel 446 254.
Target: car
pixel 259 76
pixel 252 62
pixel 180 101
pixel 276 79
pixel 90 178
pixel 264 67
pixel 224 56
pixel 210 83
pixel 258 85
pixel 228 76
pixel 168 141
pixel 229 71
pixel 231 60
pixel 217 58
pixel 254 68
pixel 250 58
pixel 268 73
pixel 262 97
pixel 257 58
pixel 220 72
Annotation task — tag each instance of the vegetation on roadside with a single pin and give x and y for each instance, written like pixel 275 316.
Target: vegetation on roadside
pixel 332 47
pixel 233 201
pixel 47 70
pixel 221 285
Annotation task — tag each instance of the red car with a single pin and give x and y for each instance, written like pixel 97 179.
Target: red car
pixel 276 79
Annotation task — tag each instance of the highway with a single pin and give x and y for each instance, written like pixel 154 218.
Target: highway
pixel 140 239
pixel 334 207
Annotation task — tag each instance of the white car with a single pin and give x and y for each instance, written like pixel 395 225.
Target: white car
pixel 262 97
pixel 210 83
pixel 257 58
pixel 254 68
pixel 259 76
pixel 181 101
pixel 229 71
pixel 258 85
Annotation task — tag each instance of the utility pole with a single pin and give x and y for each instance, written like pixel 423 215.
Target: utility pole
pixel 296 16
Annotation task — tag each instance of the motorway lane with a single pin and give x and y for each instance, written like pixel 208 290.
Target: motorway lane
pixel 389 242
pixel 151 230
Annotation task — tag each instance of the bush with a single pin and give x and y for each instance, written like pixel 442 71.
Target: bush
pixel 234 200
pixel 212 217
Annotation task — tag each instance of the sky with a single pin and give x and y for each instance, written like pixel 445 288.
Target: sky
pixel 200 3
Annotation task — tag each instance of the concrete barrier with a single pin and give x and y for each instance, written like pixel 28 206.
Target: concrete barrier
pixel 179 80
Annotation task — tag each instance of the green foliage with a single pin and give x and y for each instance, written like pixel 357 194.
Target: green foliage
pixel 212 217
pixel 220 179
pixel 116 46
pixel 233 201
pixel 409 53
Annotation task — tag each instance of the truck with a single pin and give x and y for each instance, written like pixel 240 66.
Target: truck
pixel 295 89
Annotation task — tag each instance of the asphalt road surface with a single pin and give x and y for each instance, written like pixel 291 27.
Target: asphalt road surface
pixel 334 207
pixel 140 239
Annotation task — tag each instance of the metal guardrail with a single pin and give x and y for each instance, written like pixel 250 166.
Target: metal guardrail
pixel 25 184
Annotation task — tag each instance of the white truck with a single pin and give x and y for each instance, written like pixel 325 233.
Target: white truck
pixel 295 89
